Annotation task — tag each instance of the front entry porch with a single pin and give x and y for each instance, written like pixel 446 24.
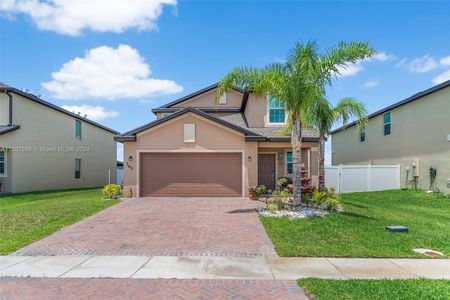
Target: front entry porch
pixel 275 161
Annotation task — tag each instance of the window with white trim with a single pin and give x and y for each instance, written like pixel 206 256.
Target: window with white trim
pixel 276 111
pixel 288 163
pixel 2 163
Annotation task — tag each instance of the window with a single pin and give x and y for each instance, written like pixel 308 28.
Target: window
pixel 163 115
pixel 387 123
pixel 223 99
pixel 288 163
pixel 362 133
pixel 2 163
pixel 189 133
pixel 78 129
pixel 277 111
pixel 77 168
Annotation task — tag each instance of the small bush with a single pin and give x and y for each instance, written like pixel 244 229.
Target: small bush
pixel 280 198
pixel 272 207
pixel 331 203
pixel 261 190
pixel 318 197
pixel 252 193
pixel 112 191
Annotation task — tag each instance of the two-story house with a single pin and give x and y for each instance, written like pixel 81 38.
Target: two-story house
pixel 414 133
pixel 45 147
pixel 198 146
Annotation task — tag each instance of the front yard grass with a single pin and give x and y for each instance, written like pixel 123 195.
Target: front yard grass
pixel 26 218
pixel 377 289
pixel 359 231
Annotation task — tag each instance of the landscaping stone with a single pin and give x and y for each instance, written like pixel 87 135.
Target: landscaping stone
pixel 301 213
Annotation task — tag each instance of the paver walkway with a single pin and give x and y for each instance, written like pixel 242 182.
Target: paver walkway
pixel 224 268
pixel 75 288
pixel 163 226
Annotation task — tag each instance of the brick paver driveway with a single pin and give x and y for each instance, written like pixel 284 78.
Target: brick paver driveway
pixel 163 226
pixel 75 288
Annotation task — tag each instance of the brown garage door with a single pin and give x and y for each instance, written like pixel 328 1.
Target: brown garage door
pixel 191 174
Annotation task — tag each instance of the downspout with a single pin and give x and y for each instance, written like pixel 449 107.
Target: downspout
pixel 10 106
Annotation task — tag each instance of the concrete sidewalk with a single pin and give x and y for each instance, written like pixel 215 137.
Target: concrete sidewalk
pixel 201 267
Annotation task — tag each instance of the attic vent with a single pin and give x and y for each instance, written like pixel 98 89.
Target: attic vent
pixel 223 99
pixel 189 133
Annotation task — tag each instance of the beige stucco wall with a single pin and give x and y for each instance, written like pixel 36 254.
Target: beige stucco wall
pixel 34 169
pixel 168 136
pixel 419 134
pixel 234 100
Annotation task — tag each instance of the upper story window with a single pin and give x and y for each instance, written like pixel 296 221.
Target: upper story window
pixel 387 123
pixel 2 163
pixel 165 115
pixel 362 133
pixel 277 111
pixel 78 129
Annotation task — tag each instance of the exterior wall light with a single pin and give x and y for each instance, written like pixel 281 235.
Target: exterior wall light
pixel 130 158
pixel 249 158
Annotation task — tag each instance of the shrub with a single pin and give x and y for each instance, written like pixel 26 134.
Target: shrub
pixel 331 203
pixel 319 197
pixel 261 190
pixel 252 193
pixel 112 191
pixel 280 198
pixel 272 207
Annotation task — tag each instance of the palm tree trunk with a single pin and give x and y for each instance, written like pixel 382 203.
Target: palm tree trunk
pixel 322 161
pixel 296 142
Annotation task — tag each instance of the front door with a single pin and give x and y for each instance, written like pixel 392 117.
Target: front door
pixel 266 170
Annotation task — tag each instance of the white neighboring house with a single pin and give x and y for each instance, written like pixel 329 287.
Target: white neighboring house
pixel 45 147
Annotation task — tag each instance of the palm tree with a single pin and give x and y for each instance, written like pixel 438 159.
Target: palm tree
pixel 322 116
pixel 297 83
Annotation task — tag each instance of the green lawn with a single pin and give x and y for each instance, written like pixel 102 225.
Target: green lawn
pixel 423 289
pixel 359 231
pixel 29 217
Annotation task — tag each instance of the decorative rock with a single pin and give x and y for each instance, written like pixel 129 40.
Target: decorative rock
pixel 298 214
pixel 397 228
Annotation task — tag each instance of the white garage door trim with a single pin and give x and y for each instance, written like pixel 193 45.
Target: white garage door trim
pixel 138 163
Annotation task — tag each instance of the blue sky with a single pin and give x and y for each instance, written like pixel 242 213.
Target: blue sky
pixel 170 49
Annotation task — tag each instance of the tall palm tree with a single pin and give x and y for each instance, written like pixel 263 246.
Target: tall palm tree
pixel 297 83
pixel 322 116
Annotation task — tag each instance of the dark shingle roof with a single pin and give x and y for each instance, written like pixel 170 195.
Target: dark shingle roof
pixel 5 128
pixel 7 88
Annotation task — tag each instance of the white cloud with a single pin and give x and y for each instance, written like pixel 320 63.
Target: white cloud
pixel 422 64
pixel 70 17
pixel 370 84
pixel 95 113
pixel 381 56
pixel 350 70
pixel 445 61
pixel 442 77
pixel 110 74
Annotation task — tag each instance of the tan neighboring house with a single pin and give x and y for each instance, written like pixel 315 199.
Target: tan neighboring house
pixel 414 133
pixel 44 147
pixel 200 147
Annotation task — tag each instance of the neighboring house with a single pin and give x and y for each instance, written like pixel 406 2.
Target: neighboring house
pixel 120 172
pixel 44 147
pixel 414 133
pixel 200 147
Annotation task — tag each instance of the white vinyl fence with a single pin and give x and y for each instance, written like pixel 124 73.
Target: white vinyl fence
pixel 362 178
